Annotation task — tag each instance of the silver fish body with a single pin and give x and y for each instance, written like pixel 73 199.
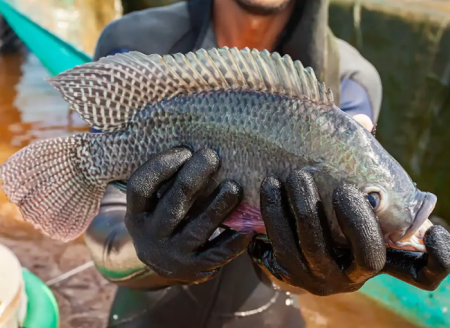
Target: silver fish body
pixel 283 121
pixel 257 134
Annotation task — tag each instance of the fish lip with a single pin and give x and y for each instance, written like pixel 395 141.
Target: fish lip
pixel 413 245
pixel 425 208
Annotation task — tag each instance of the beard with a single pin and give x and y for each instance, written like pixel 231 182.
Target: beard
pixel 263 7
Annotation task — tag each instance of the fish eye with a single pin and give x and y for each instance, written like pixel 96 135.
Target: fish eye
pixel 374 199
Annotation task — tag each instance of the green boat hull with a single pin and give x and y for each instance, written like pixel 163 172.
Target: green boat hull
pixel 427 309
pixel 55 54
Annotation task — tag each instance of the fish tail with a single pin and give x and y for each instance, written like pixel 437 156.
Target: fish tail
pixel 50 183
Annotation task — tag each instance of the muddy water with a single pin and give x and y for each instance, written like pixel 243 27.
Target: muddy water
pixel 30 110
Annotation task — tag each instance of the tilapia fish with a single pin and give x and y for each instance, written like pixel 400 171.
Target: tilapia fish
pixel 264 114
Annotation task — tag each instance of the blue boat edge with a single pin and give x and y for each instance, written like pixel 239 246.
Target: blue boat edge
pixel 424 308
pixel 63 55
pixel 427 309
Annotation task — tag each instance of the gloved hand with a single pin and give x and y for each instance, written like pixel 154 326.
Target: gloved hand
pixel 170 233
pixel 425 271
pixel 301 254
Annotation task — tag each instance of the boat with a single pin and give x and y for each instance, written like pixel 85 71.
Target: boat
pixel 53 52
pixel 424 308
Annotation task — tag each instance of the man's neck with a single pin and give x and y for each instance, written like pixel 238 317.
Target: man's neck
pixel 234 27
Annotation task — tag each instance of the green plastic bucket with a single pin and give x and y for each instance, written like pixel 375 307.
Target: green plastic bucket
pixel 13 299
pixel 42 309
pixel 25 300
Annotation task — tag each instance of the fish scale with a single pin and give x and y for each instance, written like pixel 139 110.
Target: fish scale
pixel 262 113
pixel 244 123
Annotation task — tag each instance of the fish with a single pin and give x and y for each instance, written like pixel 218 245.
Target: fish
pixel 263 113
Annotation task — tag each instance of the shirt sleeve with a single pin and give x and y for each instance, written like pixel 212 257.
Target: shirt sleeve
pixel 355 99
pixel 118 51
pixel 361 87
pixel 112 248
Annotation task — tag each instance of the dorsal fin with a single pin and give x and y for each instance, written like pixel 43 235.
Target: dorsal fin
pixel 110 92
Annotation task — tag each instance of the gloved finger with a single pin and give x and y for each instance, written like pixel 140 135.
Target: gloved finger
pixel 145 181
pixel 189 275
pixel 223 249
pixel 360 226
pixel 177 201
pixel 261 253
pixel 423 270
pixel 201 276
pixel 437 243
pixel 221 203
pixel 311 222
pixel 280 230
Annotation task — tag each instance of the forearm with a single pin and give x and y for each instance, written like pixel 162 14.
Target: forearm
pixel 112 249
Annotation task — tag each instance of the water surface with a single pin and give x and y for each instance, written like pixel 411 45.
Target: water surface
pixel 30 109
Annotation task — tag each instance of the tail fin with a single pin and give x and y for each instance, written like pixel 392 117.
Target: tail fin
pixel 51 189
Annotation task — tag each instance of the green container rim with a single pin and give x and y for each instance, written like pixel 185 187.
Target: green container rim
pixel 42 308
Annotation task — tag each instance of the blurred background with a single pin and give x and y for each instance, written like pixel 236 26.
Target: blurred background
pixel 407 40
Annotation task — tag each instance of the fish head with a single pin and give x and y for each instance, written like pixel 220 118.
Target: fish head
pixel 402 209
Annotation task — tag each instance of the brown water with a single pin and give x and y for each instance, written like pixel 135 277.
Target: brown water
pixel 30 109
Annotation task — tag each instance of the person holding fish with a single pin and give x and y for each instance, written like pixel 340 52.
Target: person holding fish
pixel 282 192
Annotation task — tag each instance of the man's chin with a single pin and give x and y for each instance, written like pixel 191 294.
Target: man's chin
pixel 263 7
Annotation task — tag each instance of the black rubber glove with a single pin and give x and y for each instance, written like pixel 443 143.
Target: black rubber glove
pixel 301 252
pixel 423 270
pixel 170 233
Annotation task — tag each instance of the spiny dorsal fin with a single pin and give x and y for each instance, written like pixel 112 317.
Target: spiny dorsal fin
pixel 109 93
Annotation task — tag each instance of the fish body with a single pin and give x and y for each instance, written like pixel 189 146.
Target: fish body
pixel 263 114
pixel 255 134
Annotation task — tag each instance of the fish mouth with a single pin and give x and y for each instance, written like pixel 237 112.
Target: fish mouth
pixel 413 238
